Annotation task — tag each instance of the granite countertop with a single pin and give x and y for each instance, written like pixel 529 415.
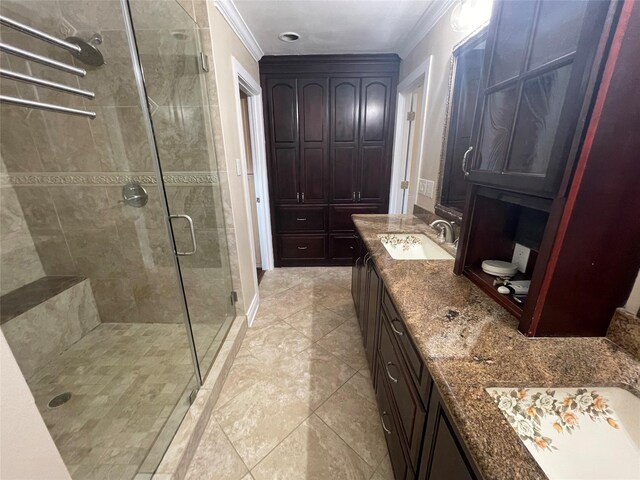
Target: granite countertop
pixel 469 343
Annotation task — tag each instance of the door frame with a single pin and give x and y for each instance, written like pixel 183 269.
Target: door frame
pixel 243 80
pixel 419 76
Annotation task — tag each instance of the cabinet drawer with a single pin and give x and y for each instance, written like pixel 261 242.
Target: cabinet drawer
pixel 411 413
pixel 342 246
pixel 407 349
pixel 340 216
pixel 302 247
pixel 301 219
pixel 401 467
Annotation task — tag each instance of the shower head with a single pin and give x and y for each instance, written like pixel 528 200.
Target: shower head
pixel 89 53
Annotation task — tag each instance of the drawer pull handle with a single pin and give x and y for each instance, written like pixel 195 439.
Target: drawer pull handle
pixel 391 377
pixel 384 427
pixel 302 248
pixel 301 219
pixel 395 330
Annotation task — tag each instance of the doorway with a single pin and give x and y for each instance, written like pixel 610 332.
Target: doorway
pixel 409 139
pixel 253 167
pixel 250 169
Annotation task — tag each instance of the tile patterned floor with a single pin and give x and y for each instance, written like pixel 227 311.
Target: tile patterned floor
pixel 298 401
pixel 129 386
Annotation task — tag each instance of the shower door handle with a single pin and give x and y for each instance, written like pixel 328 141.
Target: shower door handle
pixel 194 246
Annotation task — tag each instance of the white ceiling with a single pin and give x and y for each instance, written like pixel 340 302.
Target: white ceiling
pixel 337 26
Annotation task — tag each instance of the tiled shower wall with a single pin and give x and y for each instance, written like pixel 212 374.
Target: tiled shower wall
pixel 68 172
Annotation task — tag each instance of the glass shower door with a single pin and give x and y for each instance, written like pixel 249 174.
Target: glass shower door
pixel 175 79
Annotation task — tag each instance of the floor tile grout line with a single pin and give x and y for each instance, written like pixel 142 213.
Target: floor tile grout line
pixel 346 442
pixel 232 445
pixel 280 442
pixel 316 341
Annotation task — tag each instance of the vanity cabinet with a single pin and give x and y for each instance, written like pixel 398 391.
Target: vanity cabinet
pixel 329 134
pixel 421 439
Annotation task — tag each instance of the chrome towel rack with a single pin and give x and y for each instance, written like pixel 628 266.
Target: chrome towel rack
pixel 41 82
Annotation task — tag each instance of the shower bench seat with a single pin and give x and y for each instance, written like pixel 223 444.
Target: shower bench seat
pixel 45 317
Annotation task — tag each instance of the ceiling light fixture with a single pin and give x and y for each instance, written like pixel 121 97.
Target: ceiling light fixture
pixel 470 14
pixel 289 37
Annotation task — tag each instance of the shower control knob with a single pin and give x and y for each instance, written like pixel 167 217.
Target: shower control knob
pixel 134 195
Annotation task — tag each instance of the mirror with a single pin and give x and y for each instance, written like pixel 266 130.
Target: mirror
pixel 466 73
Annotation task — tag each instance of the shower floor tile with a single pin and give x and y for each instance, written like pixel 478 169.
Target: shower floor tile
pixel 127 381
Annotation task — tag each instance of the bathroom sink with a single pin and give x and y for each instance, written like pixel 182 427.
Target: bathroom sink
pixel 412 246
pixel 581 432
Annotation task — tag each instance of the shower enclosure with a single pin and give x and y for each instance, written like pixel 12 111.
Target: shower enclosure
pixel 115 276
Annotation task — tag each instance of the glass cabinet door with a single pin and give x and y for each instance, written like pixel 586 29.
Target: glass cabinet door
pixel 539 58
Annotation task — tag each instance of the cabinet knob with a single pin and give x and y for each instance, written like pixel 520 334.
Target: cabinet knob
pixel 302 248
pixel 301 219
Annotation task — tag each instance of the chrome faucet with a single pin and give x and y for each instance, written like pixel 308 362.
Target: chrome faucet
pixel 446 230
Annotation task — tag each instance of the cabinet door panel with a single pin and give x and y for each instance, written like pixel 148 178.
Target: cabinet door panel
pixel 313 112
pixel 282 93
pixel 532 98
pixel 344 109
pixel 373 179
pixel 375 108
pixel 285 174
pixel 343 170
pixel 537 123
pixel 516 19
pixel 557 31
pixel 496 129
pixel 313 167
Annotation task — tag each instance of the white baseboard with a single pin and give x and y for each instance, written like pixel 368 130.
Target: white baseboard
pixel 253 309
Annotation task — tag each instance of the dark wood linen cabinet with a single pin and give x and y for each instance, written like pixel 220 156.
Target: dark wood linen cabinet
pixel 329 130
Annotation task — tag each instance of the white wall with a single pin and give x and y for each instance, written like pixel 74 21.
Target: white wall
pixel 27 450
pixel 438 43
pixel 633 304
pixel 226 45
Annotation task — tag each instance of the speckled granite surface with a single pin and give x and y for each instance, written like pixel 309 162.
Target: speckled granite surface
pixel 469 343
pixel 625 331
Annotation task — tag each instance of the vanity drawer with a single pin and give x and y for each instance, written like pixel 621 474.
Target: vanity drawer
pixel 407 349
pixel 308 247
pixel 409 406
pixel 301 219
pixel 401 466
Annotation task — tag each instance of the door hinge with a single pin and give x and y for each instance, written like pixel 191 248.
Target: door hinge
pixel 411 116
pixel 404 185
pixel 204 61
pixel 257 199
pixel 234 297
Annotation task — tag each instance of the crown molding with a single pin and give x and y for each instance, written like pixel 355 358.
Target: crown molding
pixel 432 15
pixel 233 17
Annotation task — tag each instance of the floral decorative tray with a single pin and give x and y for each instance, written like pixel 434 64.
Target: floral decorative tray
pixel 576 433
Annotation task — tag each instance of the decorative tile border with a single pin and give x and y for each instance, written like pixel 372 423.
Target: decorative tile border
pixel 145 178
